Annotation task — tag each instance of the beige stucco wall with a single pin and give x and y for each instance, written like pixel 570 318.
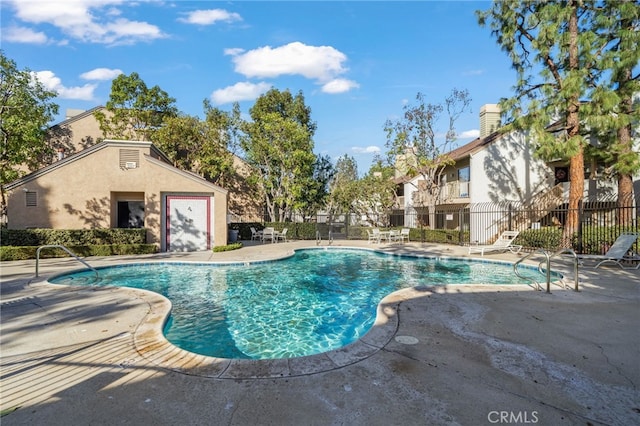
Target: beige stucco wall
pixel 245 200
pixel 83 193
pixel 77 133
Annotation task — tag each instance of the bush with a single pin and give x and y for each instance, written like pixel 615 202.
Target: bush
pixel 598 239
pixel 228 247
pixel 548 238
pixel 29 252
pixel 297 230
pixel 72 237
pixel 244 229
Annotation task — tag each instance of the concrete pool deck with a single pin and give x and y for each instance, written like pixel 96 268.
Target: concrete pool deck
pixel 467 355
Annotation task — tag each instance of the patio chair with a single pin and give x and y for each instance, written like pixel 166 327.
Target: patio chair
pixel 373 235
pixel 393 236
pixel 617 253
pixel 269 234
pixel 255 235
pixel 404 235
pixel 502 244
pixel 283 235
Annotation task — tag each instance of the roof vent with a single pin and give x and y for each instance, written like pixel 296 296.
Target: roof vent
pixel 129 158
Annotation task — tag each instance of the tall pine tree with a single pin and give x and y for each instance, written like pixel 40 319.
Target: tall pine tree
pixel 552 46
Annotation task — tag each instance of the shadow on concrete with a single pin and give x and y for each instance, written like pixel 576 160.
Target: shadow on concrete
pixel 459 354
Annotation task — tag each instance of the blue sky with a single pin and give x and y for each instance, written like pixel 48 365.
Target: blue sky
pixel 356 62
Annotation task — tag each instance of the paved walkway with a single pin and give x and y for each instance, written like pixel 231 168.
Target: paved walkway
pixel 467 355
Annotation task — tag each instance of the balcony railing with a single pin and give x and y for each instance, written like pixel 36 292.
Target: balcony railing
pixel 453 190
pixel 449 192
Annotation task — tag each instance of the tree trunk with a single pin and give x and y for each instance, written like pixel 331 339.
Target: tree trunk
pixel 576 163
pixel 625 200
pixel 625 143
pixel 576 191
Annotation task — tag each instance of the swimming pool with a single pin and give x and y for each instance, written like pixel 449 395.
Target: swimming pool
pixel 314 301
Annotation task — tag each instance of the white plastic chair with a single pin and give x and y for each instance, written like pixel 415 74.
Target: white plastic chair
pixel 269 234
pixel 283 235
pixel 404 234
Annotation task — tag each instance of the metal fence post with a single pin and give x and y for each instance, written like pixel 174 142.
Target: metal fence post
pixel 580 225
pixel 510 210
pixel 460 225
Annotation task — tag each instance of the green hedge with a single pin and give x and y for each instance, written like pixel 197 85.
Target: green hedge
pixel 29 252
pixel 598 239
pixel 296 230
pixel 307 231
pixel 72 237
pixel 595 239
pixel 545 238
pixel 228 247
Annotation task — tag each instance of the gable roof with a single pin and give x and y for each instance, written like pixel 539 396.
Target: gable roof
pixel 184 173
pixel 160 160
pixel 77 117
pixel 474 146
pixel 461 152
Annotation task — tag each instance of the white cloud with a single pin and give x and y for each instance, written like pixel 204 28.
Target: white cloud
pixel 320 63
pixel 473 133
pixel 339 85
pixel 233 51
pixel 24 35
pixel 473 72
pixel 242 91
pixel 371 149
pixel 53 83
pixel 101 74
pixel 94 21
pixel 211 16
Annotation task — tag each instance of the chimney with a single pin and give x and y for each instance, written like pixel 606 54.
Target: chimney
pixel 489 119
pixel 405 161
pixel 72 112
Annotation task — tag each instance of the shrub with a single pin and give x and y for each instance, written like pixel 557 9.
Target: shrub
pixel 29 252
pixel 548 238
pixel 72 237
pixel 228 247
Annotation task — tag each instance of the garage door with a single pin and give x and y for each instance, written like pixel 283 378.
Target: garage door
pixel 188 223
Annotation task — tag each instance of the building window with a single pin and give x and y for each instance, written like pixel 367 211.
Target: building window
pixel 31 198
pixel 464 176
pixel 130 214
pixel 561 174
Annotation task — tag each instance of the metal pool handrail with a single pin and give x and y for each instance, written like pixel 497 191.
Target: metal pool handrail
pixel 65 249
pixel 548 272
pixel 575 263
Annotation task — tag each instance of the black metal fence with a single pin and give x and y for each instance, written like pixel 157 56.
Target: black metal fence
pixel 600 223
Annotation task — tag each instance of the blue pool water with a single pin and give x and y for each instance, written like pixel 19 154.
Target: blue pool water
pixel 312 302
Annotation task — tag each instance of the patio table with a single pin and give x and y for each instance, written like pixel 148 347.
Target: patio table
pixel 384 235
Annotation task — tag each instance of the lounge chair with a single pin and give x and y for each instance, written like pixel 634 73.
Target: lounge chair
pixel 617 253
pixel 502 244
